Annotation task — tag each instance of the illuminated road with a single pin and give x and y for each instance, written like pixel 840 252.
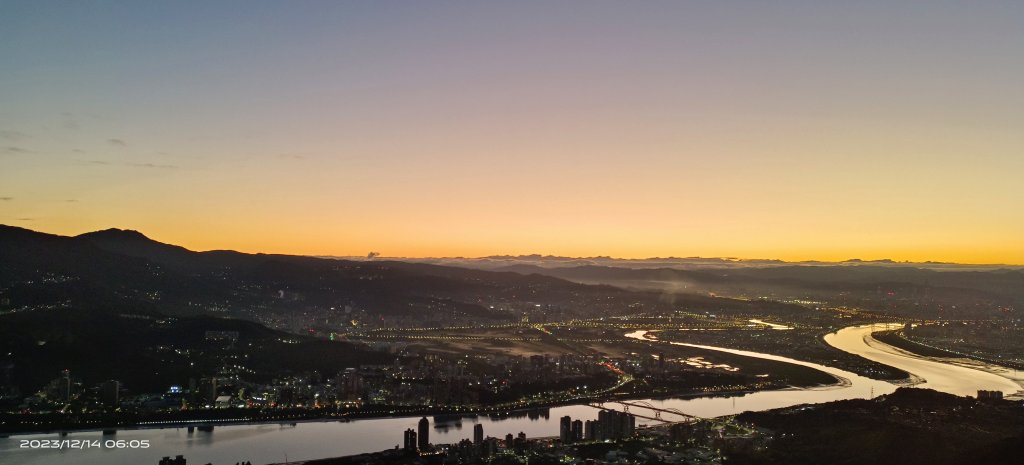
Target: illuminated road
pixel 771 325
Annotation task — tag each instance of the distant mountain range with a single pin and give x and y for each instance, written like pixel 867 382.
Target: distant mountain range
pixel 117 269
pixel 125 269
pixel 687 263
pixel 928 289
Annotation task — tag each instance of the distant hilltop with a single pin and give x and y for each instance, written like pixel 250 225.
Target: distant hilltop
pixel 681 263
pixel 136 242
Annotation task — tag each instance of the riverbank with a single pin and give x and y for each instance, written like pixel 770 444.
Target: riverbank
pixel 57 423
pixel 952 375
pixel 805 344
pixel 897 339
pixel 237 417
pixel 316 439
pixel 716 375
pixel 930 427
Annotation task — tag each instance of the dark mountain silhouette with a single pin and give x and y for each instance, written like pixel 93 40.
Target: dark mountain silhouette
pixel 122 267
pixel 118 268
pixel 135 244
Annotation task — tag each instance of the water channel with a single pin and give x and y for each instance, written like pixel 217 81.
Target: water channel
pixel 265 443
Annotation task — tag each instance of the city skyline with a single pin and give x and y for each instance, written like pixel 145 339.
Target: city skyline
pixel 795 131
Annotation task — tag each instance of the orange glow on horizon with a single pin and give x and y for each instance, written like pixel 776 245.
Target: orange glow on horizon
pixel 682 128
pixel 395 247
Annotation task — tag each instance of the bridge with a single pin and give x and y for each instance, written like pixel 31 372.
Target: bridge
pixel 645 417
pixel 687 418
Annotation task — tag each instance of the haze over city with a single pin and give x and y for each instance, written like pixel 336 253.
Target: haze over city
pixel 791 130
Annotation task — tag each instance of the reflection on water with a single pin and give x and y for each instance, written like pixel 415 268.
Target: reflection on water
pixel 849 386
pixel 937 374
pixel 270 443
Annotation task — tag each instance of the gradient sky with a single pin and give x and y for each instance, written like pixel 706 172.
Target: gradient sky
pixel 793 130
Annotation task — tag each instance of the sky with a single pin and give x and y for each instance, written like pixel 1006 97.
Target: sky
pixel 792 130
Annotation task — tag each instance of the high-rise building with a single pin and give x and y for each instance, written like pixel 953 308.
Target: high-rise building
pixel 110 393
pixel 65 386
pixel 990 395
pixel 490 447
pixel 409 440
pixel 210 391
pixel 424 433
pixel 478 434
pixel 467 451
pixel 576 432
pixel 605 424
pixel 565 430
pixel 612 424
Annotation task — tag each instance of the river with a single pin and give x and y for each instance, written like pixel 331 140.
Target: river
pixel 941 374
pixel 264 443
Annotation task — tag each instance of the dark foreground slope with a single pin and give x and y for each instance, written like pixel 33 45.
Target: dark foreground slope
pixel 908 427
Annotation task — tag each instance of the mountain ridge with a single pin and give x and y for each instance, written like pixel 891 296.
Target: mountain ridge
pixel 118 268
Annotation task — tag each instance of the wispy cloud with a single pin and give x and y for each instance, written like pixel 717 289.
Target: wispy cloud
pixel 12 135
pixel 151 165
pixel 289 156
pixel 117 142
pixel 69 120
pixel 13 149
pixel 25 219
pixel 127 163
pixel 6 199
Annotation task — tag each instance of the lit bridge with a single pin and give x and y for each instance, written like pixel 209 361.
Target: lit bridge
pixel 658 411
